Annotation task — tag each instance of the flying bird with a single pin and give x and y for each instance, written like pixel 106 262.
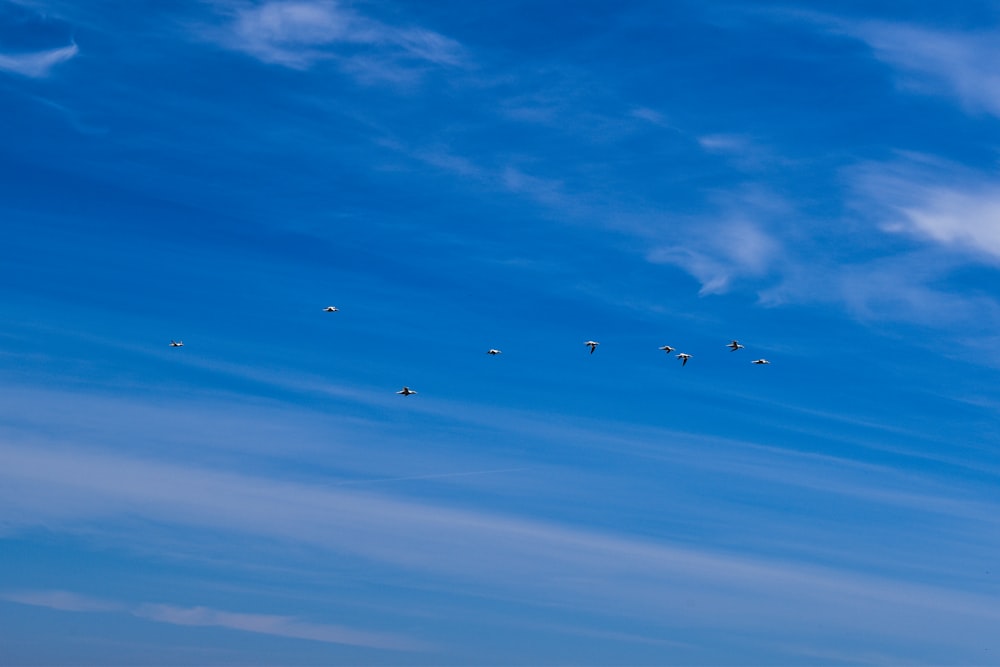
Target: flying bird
pixel 406 391
pixel 176 343
pixel 735 345
pixel 593 345
pixel 330 309
pixel 684 358
pixel 667 349
pixel 760 361
pixel 493 352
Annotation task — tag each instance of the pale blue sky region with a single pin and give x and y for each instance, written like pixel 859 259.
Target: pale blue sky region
pixel 818 180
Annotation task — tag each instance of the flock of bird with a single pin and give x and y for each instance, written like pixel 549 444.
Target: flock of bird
pixel 683 356
pixel 733 345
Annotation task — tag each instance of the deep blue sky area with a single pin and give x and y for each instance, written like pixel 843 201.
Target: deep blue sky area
pixel 818 180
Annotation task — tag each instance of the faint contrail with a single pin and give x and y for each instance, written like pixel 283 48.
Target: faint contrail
pixel 432 476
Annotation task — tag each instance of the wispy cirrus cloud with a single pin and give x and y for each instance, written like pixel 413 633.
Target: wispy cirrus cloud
pixel 277 625
pixel 929 199
pixel 300 33
pixel 36 64
pixel 649 115
pixel 61 600
pixel 948 62
pixel 920 220
pixel 470 545
pixel 959 218
pixel 266 624
pixel 735 249
pixel 174 505
pixel 742 150
pixel 951 62
pixel 736 242
pixel 905 287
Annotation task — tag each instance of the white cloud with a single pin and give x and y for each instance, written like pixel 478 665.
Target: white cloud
pixel 280 626
pixel 36 64
pixel 61 600
pixel 723 143
pixel 911 224
pixel 548 192
pixel 716 255
pixel 425 44
pixel 74 490
pixel 891 288
pixel 268 624
pixel 956 63
pixel 956 218
pixel 300 33
pixel 934 201
pixel 187 510
pixel 743 151
pixel 649 115
pixel 739 238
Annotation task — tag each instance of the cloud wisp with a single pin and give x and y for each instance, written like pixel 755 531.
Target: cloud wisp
pixel 919 220
pixel 739 240
pixel 931 200
pixel 466 546
pixel 277 625
pixel 720 254
pixel 300 33
pixel 61 600
pixel 200 616
pixel 37 64
pixel 953 63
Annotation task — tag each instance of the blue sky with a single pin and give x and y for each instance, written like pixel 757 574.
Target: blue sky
pixel 818 180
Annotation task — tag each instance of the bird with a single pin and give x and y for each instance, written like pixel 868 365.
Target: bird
pixel 176 343
pixel 684 358
pixel 493 352
pixel 593 345
pixel 667 349
pixel 406 391
pixel 760 361
pixel 330 309
pixel 735 345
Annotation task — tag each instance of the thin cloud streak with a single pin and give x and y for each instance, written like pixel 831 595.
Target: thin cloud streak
pixel 922 220
pixel 893 288
pixel 279 626
pixel 442 475
pixel 252 431
pixel 37 64
pixel 722 253
pixel 61 600
pixel 300 34
pixel 949 63
pixel 933 200
pixel 958 64
pixel 267 624
pixel 65 488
